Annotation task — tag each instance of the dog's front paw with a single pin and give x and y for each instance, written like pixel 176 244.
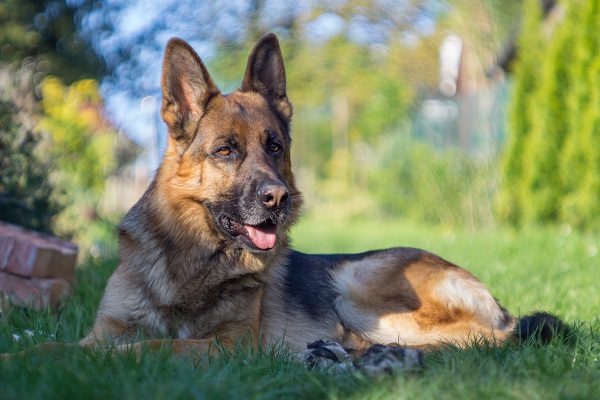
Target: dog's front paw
pixel 327 355
pixel 380 360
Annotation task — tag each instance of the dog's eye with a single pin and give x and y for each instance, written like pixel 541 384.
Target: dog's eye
pixel 274 148
pixel 224 151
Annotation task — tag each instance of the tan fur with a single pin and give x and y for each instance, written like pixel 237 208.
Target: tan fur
pixel 187 274
pixel 418 302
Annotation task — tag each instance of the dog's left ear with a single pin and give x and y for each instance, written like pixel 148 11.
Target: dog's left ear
pixel 265 74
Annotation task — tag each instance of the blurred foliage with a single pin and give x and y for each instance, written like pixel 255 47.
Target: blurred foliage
pixel 402 177
pixel 580 160
pixel 81 138
pixel 56 147
pixel 47 31
pixel 344 94
pixel 484 26
pixel 84 147
pixel 213 25
pixel 542 180
pixel 552 169
pixel 26 191
pixel 511 197
pixel 357 70
pixel 446 187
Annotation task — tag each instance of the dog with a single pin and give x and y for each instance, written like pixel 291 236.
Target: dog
pixel 205 254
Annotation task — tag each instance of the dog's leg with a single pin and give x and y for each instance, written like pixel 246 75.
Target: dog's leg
pixel 53 348
pixel 380 360
pixel 327 355
pixel 416 299
pixel 187 350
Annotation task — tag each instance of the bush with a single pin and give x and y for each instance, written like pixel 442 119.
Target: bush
pixel 26 192
pixel 55 156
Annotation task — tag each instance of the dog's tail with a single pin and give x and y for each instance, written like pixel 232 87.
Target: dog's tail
pixel 542 327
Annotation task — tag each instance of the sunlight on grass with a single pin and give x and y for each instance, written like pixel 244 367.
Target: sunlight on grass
pixel 545 269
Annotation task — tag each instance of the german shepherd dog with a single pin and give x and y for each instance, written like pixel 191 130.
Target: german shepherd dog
pixel 205 252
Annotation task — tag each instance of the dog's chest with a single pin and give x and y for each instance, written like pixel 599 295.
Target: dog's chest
pixel 199 305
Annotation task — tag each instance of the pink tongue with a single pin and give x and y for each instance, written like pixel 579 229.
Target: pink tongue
pixel 262 237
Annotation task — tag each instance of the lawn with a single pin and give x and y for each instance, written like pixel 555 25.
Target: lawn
pixel 553 270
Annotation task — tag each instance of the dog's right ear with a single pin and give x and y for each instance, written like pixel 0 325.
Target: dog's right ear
pixel 187 89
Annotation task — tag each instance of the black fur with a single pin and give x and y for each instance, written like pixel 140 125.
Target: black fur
pixel 321 351
pixel 308 280
pixel 542 327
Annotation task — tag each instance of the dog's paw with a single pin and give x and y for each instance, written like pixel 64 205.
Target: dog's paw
pixel 327 355
pixel 380 360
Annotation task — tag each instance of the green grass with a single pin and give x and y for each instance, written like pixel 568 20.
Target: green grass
pixel 536 269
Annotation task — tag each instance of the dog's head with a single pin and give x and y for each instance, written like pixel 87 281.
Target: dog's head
pixel 227 167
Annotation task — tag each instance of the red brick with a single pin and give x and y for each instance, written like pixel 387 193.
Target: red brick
pixel 32 254
pixel 28 260
pixel 35 293
pixel 6 246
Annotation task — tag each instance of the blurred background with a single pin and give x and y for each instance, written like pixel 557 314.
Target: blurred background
pixel 464 114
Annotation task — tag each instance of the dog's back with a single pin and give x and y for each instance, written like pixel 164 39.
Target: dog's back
pixel 402 295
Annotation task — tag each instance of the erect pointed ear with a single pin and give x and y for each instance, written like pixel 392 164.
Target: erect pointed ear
pixel 187 89
pixel 265 74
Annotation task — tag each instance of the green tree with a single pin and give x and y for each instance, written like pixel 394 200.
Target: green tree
pixel 46 32
pixel 579 164
pixel 511 197
pixel 543 186
pixel 581 206
pixel 550 168
pixel 578 98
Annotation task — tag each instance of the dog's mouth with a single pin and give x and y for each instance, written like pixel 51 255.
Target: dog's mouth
pixel 257 237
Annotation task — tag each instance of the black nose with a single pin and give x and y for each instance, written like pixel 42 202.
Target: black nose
pixel 273 194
